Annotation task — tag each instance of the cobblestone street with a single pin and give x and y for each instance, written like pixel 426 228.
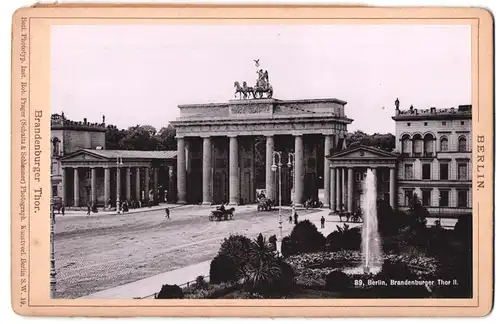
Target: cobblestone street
pixel 101 252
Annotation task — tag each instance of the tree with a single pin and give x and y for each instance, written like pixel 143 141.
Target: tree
pixel 166 138
pixel 385 142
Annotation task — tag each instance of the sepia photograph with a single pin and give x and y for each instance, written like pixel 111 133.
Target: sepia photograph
pixel 261 161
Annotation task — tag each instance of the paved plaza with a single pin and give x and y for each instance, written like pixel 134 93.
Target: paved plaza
pixel 104 251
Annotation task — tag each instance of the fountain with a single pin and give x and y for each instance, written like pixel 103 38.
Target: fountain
pixel 370 239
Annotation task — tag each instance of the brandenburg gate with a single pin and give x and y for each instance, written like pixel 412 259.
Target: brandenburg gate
pixel 216 146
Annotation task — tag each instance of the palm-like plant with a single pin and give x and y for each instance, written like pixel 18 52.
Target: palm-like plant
pixel 263 270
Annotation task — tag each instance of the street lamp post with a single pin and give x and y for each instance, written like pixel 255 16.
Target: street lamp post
pixel 119 163
pixel 52 256
pixel 274 167
pixel 291 158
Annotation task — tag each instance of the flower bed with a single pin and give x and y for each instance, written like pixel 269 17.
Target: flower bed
pixel 311 269
pixel 210 291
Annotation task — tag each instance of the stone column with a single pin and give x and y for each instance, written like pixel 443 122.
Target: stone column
pixel 299 170
pixel 93 188
pixel 128 188
pixel 118 186
pixel 350 191
pixel 392 187
pixel 63 185
pixel 207 171
pixel 234 186
pixel 76 188
pixel 155 184
pixel 338 190
pixel 326 177
pixel 171 184
pixel 344 204
pixel 332 188
pixel 375 181
pixel 146 184
pixel 138 184
pixel 269 173
pixel 181 170
pixel 107 186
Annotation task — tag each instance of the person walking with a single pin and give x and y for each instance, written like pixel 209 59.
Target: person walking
pixel 296 218
pixel 290 219
pixel 167 213
pixel 322 221
pixel 62 210
pixel 88 209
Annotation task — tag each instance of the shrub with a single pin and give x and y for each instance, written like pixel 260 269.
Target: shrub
pixel 395 270
pixel 170 292
pixel 223 269
pixel 416 232
pixel 265 273
pixel 389 221
pixel 200 283
pixel 344 238
pixel 337 281
pixel 287 246
pixel 273 241
pixel 236 247
pixel 463 229
pixel 306 238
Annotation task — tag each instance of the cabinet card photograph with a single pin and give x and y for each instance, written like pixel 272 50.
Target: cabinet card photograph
pixel 275 161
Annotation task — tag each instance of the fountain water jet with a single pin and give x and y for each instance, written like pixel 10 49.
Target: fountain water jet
pixel 370 239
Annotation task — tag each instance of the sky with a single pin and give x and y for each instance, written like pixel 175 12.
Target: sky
pixel 139 74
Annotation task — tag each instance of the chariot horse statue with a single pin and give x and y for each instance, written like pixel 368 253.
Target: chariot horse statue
pixel 262 87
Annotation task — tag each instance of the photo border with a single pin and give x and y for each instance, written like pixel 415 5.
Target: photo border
pixel 31 34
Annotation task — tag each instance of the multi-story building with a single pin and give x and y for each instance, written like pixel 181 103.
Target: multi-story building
pixel 436 151
pixel 69 136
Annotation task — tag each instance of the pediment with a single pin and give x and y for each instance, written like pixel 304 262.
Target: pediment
pixel 82 156
pixel 363 152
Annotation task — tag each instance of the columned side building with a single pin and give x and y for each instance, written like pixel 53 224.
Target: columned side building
pixel 216 153
pixel 103 177
pixel 347 172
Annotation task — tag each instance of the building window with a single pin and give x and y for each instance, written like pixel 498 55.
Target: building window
pixel 426 171
pixel 418 144
pixel 88 175
pixel 462 144
pixel 54 191
pixel 443 171
pixel 408 124
pixel 443 123
pixel 425 124
pixel 444 144
pixel 462 123
pixel 444 198
pixel 426 197
pixel 409 171
pixel 462 171
pixel 406 145
pixel 428 145
pixel 408 197
pixel 462 198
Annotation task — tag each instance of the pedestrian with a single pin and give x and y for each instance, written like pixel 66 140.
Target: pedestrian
pixel 88 209
pixel 62 210
pixel 296 217
pixel 290 219
pixel 322 221
pixel 167 213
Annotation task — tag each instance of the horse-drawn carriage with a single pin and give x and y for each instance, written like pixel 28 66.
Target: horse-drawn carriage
pixel 313 203
pixel 221 214
pixel 265 204
pixel 353 217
